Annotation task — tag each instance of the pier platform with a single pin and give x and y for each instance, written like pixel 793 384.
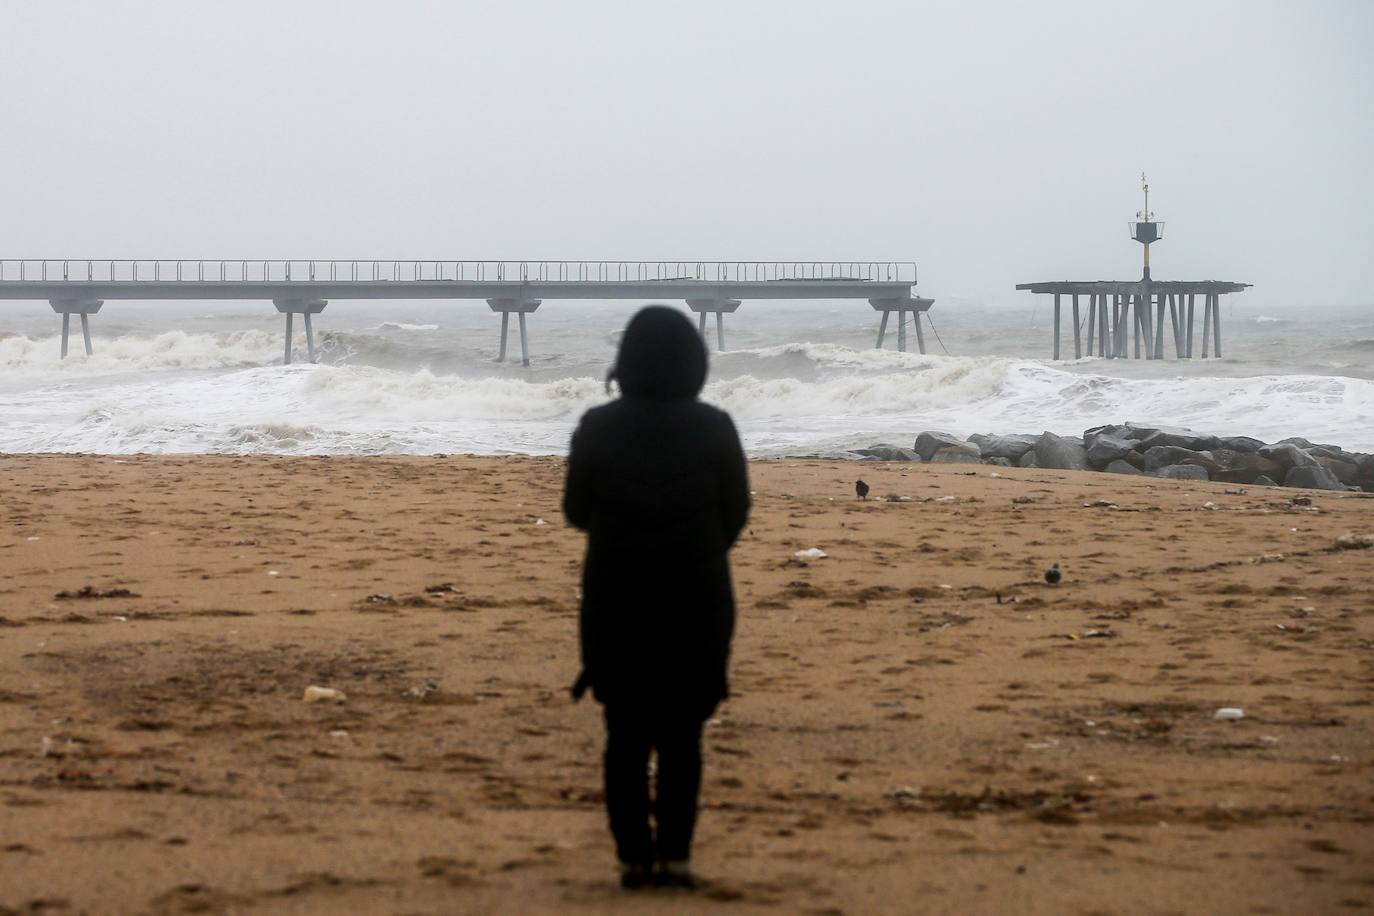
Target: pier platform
pixel 1125 316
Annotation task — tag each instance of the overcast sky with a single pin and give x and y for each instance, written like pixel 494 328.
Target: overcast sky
pixel 993 143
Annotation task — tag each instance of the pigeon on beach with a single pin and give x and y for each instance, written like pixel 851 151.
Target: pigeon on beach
pixel 861 489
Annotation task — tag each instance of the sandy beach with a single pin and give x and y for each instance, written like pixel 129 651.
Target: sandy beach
pixel 920 723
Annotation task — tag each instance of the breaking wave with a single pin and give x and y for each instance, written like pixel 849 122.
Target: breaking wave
pixel 383 389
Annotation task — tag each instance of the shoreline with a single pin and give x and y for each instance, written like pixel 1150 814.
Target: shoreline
pixel 1130 449
pixel 917 714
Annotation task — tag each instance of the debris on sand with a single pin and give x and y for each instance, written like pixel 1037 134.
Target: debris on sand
pixel 420 691
pixel 1352 541
pixel 1100 633
pixel 811 553
pixel 1231 713
pixel 315 694
pixel 90 591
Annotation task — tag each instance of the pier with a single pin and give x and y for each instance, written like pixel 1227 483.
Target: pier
pixel 1126 317
pixel 305 287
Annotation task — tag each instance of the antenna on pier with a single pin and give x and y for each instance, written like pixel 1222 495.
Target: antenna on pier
pixel 1145 230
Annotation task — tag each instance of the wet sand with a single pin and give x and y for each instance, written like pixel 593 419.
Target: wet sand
pixel 899 740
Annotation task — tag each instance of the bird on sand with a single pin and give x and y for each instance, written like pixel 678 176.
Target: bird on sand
pixel 861 489
pixel 1053 575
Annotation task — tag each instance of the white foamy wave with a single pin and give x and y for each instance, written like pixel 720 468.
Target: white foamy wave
pixel 363 391
pixel 806 360
pixel 296 410
pixel 928 383
pixel 1037 397
pixel 1265 319
pixel 139 353
pixel 402 326
pixel 786 400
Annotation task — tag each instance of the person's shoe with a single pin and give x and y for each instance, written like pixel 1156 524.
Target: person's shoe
pixel 633 877
pixel 675 873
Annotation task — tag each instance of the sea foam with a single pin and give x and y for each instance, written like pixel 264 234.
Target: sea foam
pixel 225 392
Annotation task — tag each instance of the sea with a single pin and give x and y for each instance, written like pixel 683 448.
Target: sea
pixel 421 378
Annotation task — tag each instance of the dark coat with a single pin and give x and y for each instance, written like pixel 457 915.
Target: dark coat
pixel 658 481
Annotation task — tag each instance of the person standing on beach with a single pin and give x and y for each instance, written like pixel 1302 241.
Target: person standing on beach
pixel 658 481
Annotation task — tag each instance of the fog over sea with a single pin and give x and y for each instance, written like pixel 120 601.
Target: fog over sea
pixel 420 378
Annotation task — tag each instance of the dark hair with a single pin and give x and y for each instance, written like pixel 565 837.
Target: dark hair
pixel 661 356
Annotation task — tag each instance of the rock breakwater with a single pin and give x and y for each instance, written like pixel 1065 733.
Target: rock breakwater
pixel 1160 451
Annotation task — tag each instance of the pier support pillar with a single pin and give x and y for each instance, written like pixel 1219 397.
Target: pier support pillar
pixel 1119 326
pixel 1175 321
pixel 1056 325
pixel 1206 323
pixel 720 307
pixel 304 307
pixel 69 307
pixel 1092 320
pixel 901 307
pixel 1077 327
pixel 521 308
pixel 1139 320
pixel 1216 326
pixel 1188 321
pixel 1104 343
pixel 1158 306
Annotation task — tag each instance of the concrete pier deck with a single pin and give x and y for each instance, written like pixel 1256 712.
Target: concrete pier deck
pixel 76 286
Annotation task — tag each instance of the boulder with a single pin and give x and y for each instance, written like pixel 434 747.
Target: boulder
pixel 1344 471
pixel 1010 447
pixel 1327 451
pixel 1183 472
pixel 965 453
pixel 1121 467
pixel 888 453
pixel 999 462
pixel 1265 481
pixel 1243 467
pixel 1115 431
pixel 1289 455
pixel 1312 447
pixel 1364 465
pixel 1105 449
pixel 928 443
pixel 1150 437
pixel 1163 456
pixel 1313 477
pixel 1057 452
pixel 1027 460
pixel 1241 444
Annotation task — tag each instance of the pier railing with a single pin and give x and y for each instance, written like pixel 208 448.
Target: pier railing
pixel 267 270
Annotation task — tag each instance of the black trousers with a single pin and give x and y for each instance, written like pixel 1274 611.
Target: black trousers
pixel 631 736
